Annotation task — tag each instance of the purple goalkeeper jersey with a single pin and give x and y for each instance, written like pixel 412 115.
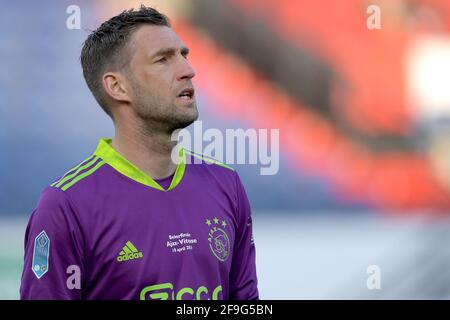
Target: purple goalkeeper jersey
pixel 106 230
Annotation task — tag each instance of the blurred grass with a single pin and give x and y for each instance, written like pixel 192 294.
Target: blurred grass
pixel 12 232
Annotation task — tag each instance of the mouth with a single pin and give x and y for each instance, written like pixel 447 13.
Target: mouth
pixel 187 94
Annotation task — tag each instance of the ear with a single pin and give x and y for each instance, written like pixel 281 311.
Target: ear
pixel 115 86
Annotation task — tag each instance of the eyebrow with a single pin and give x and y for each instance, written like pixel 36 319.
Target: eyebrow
pixel 170 51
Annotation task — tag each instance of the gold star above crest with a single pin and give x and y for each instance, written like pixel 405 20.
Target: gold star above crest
pixel 224 224
pixel 216 221
pixel 208 222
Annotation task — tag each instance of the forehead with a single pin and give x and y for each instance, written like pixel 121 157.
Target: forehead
pixel 149 39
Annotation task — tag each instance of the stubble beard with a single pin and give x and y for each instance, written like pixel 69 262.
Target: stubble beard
pixel 157 115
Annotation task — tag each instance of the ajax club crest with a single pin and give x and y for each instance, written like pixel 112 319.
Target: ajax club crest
pixel 218 238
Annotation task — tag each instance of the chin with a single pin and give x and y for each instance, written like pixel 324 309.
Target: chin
pixel 190 115
pixel 185 121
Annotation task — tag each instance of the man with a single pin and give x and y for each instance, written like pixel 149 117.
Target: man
pixel 128 222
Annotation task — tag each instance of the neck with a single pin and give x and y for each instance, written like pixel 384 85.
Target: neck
pixel 149 151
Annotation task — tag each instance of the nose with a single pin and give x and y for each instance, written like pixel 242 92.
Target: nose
pixel 186 71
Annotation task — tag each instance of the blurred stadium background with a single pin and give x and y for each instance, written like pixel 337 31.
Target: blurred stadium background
pixel 364 119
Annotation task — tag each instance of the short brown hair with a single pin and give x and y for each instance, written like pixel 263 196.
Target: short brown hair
pixel 103 50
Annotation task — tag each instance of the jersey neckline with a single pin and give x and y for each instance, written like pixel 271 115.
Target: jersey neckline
pixel 109 155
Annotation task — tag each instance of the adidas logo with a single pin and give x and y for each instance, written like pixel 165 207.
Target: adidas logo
pixel 129 252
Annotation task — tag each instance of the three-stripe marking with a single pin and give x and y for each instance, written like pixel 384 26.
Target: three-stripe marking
pixel 79 172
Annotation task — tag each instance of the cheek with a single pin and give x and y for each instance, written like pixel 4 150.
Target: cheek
pixel 155 83
pixel 157 86
pixel 157 77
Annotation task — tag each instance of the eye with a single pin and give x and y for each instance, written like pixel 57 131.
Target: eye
pixel 185 54
pixel 163 59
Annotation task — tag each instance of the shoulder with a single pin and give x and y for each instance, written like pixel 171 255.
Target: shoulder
pixel 216 172
pixel 65 194
pixel 208 166
pixel 79 174
pixel 59 200
pixel 199 158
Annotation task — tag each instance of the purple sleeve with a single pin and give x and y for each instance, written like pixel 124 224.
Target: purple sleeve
pixel 243 280
pixel 53 230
